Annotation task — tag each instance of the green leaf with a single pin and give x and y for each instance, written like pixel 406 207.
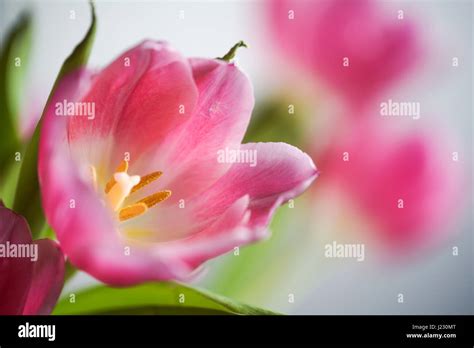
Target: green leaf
pixel 80 55
pixel 27 199
pixel 13 66
pixel 153 298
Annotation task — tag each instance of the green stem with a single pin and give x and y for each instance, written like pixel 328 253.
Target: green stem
pixel 231 54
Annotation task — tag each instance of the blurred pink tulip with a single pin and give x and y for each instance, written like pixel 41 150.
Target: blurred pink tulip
pixel 28 284
pixel 407 185
pixel 158 114
pixel 353 45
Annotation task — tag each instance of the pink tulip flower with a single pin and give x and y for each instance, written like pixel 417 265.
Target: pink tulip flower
pixel 145 189
pixel 354 46
pixel 406 185
pixel 32 273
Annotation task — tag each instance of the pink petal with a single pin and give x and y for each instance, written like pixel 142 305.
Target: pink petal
pixel 219 120
pixel 138 105
pixel 48 279
pixel 226 232
pixel 16 273
pixel 281 172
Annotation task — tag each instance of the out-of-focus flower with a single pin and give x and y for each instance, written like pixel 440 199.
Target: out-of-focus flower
pixel 32 273
pixel 406 184
pixel 354 46
pixel 154 114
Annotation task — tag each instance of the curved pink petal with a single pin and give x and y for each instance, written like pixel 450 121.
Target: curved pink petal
pixel 48 278
pixel 281 172
pixel 16 272
pixel 138 101
pixel 228 231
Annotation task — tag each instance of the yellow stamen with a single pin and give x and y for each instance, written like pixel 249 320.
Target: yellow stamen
pixel 145 180
pixel 121 189
pixel 122 167
pixel 121 185
pixel 155 198
pixel 132 211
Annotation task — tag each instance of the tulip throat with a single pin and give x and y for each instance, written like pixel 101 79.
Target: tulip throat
pixel 121 185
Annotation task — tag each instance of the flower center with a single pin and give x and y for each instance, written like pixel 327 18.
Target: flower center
pixel 121 185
